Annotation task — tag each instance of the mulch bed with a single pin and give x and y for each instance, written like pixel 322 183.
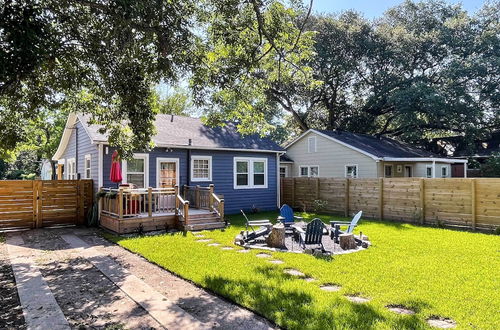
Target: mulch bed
pixel 11 312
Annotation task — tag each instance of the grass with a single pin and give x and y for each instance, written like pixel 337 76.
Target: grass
pixel 436 272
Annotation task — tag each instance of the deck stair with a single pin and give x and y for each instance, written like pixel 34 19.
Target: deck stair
pixel 202 220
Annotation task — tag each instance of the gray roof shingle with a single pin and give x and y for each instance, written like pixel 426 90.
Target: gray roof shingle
pixel 173 130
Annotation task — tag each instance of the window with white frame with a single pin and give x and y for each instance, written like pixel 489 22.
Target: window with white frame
pixel 250 173
pixel 283 172
pixel 428 171
pixel 444 171
pixel 309 171
pixel 71 169
pixel 201 168
pixel 311 144
pixel 87 166
pixel 351 171
pixel 136 170
pixel 388 171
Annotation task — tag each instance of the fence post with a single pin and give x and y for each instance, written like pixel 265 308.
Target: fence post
pixel 211 197
pixel 186 213
pixel 346 197
pixel 150 202
pixel 381 198
pixel 473 201
pixel 422 201
pixel 317 188
pixel 293 193
pixel 120 203
pixel 34 189
pixel 39 208
pixel 80 191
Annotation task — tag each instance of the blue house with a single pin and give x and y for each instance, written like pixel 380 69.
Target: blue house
pixel 241 170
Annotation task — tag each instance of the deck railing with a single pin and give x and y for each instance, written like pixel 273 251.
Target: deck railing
pixel 125 202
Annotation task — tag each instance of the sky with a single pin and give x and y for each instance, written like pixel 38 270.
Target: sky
pixel 375 8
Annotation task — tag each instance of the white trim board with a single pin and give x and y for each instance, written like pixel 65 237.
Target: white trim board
pixel 200 157
pixel 250 173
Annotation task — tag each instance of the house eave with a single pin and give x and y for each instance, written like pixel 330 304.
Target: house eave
pixel 179 146
pixel 424 159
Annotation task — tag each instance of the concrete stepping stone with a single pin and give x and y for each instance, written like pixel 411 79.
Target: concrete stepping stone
pixel 276 261
pixel 294 272
pixel 263 255
pixel 199 235
pixel 243 250
pixel 357 299
pixel 203 240
pixel 400 309
pixel 214 244
pixel 227 248
pixel 330 287
pixel 309 279
pixel 441 322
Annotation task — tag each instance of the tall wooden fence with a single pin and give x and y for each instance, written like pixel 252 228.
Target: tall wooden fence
pixel 473 203
pixel 40 203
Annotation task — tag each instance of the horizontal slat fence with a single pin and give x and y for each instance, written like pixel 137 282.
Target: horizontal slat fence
pixel 472 202
pixel 38 203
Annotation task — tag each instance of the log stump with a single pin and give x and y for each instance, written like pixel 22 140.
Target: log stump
pixel 277 237
pixel 347 241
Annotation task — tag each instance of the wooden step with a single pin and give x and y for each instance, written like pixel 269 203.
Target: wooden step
pixel 205 226
pixel 204 220
pixel 202 215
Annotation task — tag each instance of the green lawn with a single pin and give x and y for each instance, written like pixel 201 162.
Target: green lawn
pixel 433 271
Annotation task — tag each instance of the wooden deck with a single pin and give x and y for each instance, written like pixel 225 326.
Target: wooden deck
pixel 140 210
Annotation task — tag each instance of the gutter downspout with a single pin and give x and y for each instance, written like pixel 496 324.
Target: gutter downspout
pixel 188 167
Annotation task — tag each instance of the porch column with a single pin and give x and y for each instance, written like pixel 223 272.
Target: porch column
pixel 433 169
pixel 465 170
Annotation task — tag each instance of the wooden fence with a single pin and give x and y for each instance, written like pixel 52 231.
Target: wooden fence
pixel 40 203
pixel 472 203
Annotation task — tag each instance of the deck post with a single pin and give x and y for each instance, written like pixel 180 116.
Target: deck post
pixel 150 202
pixel 197 197
pixel 221 209
pixel 211 197
pixel 120 203
pixel 186 213
pixel 176 187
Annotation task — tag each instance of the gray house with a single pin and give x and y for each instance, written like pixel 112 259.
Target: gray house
pixel 323 153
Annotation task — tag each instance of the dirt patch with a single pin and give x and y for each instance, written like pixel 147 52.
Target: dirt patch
pixel 11 313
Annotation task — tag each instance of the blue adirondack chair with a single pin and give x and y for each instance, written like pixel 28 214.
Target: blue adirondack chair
pixel 286 215
pixel 335 231
pixel 313 235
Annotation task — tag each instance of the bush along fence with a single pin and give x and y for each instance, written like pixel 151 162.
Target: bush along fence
pixel 473 203
pixel 26 204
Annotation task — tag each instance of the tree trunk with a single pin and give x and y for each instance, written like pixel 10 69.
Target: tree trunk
pixel 277 237
pixel 347 241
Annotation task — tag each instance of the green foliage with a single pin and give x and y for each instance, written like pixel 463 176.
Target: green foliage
pixel 177 102
pixel 491 168
pixel 25 167
pixel 420 267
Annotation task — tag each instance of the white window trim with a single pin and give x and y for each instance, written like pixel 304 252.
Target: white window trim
pixel 71 175
pixel 146 168
pixel 308 171
pixel 89 158
pixel 357 171
pixel 446 168
pixel 432 171
pixel 161 160
pixel 313 138
pixel 392 170
pixel 209 158
pixel 286 171
pixel 250 161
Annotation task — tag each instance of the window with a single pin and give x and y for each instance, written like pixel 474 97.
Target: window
pixel 136 170
pixel 201 168
pixel 351 171
pixel 311 144
pixel 309 171
pixel 388 171
pixel 428 171
pixel 87 166
pixel 71 169
pixel 444 171
pixel 250 173
pixel 283 172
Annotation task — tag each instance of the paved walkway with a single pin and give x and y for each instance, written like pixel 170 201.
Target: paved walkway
pixel 72 278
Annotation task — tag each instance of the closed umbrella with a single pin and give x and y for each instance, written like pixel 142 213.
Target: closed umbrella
pixel 116 172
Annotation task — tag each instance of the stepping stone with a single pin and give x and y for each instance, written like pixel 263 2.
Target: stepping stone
pixel 263 255
pixel 399 309
pixel 441 322
pixel 244 251
pixel 330 287
pixel 309 279
pixel 277 262
pixel 214 244
pixel 203 240
pixel 357 300
pixel 198 235
pixel 227 248
pixel 294 272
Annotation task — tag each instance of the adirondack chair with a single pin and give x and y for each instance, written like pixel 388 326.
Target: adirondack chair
pixel 286 215
pixel 263 227
pixel 335 225
pixel 313 234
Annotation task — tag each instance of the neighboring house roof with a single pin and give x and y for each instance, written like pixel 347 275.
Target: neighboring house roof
pixel 177 131
pixel 285 159
pixel 382 148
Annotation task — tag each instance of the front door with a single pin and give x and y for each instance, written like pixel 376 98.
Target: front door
pixel 167 176
pixel 408 171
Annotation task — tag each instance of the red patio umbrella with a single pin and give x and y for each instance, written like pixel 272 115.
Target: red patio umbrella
pixel 116 172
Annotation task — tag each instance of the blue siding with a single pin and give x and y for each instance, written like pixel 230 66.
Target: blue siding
pixel 222 176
